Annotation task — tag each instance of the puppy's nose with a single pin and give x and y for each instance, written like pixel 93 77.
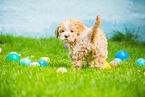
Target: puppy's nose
pixel 66 36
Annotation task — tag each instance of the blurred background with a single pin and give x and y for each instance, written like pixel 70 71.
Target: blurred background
pixel 39 18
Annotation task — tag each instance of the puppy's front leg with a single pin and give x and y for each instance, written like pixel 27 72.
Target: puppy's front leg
pixel 100 62
pixel 76 64
pixel 89 63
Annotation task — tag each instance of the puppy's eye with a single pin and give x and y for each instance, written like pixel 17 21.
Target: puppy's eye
pixel 72 31
pixel 62 31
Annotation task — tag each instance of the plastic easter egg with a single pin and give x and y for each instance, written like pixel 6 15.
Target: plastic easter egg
pixel 121 55
pixel 25 62
pixel 140 61
pixel 13 53
pixel 107 66
pixel 113 63
pixel 42 63
pixel 34 64
pixel 119 61
pixel 46 59
pixel 63 70
pixel 13 57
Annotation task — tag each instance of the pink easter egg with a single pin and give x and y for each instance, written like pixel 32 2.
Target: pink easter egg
pixel 113 63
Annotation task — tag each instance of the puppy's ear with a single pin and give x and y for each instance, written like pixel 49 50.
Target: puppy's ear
pixel 80 28
pixel 56 32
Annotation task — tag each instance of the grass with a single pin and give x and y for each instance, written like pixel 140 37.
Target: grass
pixel 130 36
pixel 126 80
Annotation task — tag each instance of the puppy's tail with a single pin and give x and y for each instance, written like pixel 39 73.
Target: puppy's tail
pixel 95 27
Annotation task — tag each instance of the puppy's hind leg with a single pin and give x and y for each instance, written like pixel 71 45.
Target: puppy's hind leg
pixel 100 62
pixel 76 64
pixel 89 63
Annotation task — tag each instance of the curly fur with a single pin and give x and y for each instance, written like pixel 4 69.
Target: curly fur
pixel 86 44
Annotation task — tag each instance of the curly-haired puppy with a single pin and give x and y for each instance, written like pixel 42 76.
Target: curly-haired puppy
pixel 86 44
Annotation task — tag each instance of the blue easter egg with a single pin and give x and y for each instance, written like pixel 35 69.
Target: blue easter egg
pixel 25 62
pixel 42 63
pixel 118 60
pixel 140 61
pixel 13 57
pixel 121 55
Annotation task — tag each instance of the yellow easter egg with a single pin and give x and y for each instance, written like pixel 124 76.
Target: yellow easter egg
pixel 107 66
pixel 46 59
pixel 13 53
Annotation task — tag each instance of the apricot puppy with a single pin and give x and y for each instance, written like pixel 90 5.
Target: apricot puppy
pixel 86 44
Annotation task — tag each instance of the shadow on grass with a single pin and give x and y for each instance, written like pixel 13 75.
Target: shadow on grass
pixel 64 64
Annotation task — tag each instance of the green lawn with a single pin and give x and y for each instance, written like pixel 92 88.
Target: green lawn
pixel 126 80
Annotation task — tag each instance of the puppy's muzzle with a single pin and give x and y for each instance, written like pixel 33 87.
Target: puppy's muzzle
pixel 66 36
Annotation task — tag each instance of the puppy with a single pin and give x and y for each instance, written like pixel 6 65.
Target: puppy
pixel 86 44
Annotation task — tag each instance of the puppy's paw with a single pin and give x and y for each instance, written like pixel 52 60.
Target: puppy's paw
pixel 76 67
pixel 99 66
pixel 90 66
